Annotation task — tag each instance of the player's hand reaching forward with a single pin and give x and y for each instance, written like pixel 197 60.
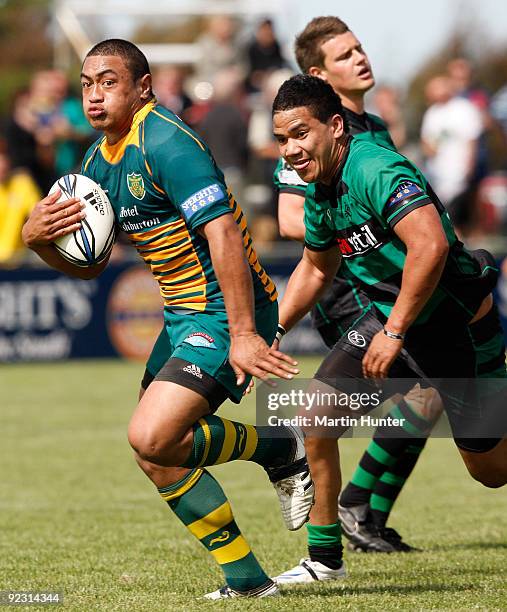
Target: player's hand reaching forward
pixel 249 354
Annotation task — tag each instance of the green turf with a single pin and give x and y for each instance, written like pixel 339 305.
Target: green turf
pixel 78 516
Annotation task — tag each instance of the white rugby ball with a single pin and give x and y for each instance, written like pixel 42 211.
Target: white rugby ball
pixel 93 242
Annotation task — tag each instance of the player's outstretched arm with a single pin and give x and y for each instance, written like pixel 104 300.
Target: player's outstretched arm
pixel 427 249
pixel 50 220
pixel 307 283
pixel 249 353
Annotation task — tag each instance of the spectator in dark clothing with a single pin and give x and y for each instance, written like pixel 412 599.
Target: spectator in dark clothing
pixel 263 55
pixel 224 128
pixel 22 145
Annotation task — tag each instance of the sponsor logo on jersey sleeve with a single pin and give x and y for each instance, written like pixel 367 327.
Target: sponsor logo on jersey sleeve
pixel 135 183
pixel 404 191
pixel 201 339
pixel 202 198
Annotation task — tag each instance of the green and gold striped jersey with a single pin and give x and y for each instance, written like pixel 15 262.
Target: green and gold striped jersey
pixel 163 184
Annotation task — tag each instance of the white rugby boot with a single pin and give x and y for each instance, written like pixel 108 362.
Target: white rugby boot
pixel 293 484
pixel 310 571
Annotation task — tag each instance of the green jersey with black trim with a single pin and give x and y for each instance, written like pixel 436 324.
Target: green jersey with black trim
pixel 366 127
pixel 343 300
pixel 164 184
pixel 373 190
pixel 369 127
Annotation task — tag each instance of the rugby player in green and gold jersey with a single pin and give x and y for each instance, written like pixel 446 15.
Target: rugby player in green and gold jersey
pixel 220 308
pixel 431 313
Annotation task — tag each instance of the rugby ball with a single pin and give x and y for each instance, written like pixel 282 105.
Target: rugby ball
pixel 93 242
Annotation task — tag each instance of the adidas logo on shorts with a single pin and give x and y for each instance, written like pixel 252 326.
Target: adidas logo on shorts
pixel 193 369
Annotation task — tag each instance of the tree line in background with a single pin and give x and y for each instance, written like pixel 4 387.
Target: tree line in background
pixel 25 44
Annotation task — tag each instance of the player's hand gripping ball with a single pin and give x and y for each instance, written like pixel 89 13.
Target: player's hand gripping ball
pixel 93 242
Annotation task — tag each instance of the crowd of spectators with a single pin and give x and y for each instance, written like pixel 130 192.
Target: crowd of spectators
pixel 43 137
pixel 458 135
pixel 226 97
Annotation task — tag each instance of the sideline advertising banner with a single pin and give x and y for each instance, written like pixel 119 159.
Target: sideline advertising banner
pixel 46 316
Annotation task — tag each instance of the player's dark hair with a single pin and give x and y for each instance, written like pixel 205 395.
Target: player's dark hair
pixel 312 92
pixel 134 58
pixel 308 44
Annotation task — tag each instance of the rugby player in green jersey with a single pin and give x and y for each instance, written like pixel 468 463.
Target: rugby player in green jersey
pixel 326 48
pixel 431 311
pixel 220 308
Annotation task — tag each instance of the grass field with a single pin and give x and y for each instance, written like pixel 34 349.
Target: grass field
pixel 76 514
